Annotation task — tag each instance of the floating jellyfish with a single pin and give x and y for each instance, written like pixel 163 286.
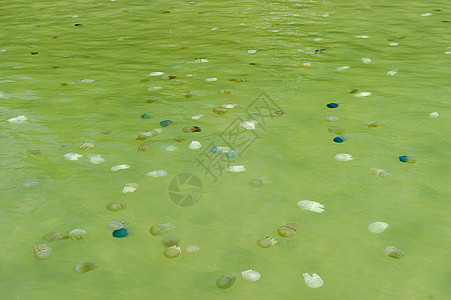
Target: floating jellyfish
pixel 377 227
pixel 313 281
pixel 434 114
pixel 55 236
pixel 171 241
pixel 130 188
pixel 169 148
pixel 362 94
pixel 220 149
pixel 336 130
pixel 249 125
pixel 179 139
pixel 72 156
pixel 332 105
pixel 306 64
pixel 288 230
pixel 226 281
pixel 121 233
pixel 96 159
pixel 156 73
pixel 352 91
pixel 30 182
pixel 83 267
pixel 156 174
pixel 145 135
pixel 19 119
pixel 220 110
pixel 152 99
pixel 77 234
pixel 343 157
pixel 232 154
pixel 107 131
pixel 266 242
pixel 332 118
pixel 394 252
pixel 197 117
pixel 42 252
pixel 366 60
pixel 255 182
pixel 117 224
pixel 194 145
pixel 119 167
pixel 392 72
pixel 343 68
pixel 161 228
pixel 192 249
pixel 166 123
pixel 277 113
pixel 146 116
pixel 311 206
pixel 143 147
pixel 371 124
pixel 172 252
pixel 88 145
pixel 407 159
pixel 116 205
pixel 235 169
pixel 379 172
pixel 225 92
pixel 251 275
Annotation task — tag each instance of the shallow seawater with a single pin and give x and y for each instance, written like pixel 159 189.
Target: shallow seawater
pixel 83 80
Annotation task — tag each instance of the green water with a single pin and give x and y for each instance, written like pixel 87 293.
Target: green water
pixel 121 42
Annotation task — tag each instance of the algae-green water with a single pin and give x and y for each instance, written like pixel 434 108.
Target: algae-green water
pixel 92 82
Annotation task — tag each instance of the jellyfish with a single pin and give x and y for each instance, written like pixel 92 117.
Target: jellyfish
pixel 251 275
pixel 117 224
pixel 42 251
pixel 172 252
pixel 394 252
pixel 288 230
pixel 313 281
pixel 267 242
pixel 116 205
pixel 311 206
pixel 55 236
pixel 226 281
pixel 192 249
pixel 77 234
pixel 83 267
pixel 377 227
pixel 171 241
pixel 161 228
pixel 88 145
pixel 130 188
pixel 143 147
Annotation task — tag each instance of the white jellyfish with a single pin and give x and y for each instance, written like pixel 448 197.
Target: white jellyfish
pixel 251 275
pixel 311 206
pixel 19 119
pixel 96 159
pixel 156 174
pixel 194 145
pixel 119 167
pixel 72 156
pixel 313 281
pixel 130 188
pixel 377 227
pixel 235 169
pixel 343 157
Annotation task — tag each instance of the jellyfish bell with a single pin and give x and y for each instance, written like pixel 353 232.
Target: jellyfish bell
pixel 377 227
pixel 288 230
pixel 171 241
pixel 226 281
pixel 313 281
pixel 266 242
pixel 42 251
pixel 116 206
pixel 251 275
pixel 161 228
pixel 83 267
pixel 191 249
pixel 77 234
pixel 172 252
pixel 394 252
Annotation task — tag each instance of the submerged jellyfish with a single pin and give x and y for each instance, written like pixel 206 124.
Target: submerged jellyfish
pixel 116 205
pixel 161 228
pixel 172 252
pixel 251 275
pixel 379 172
pixel 288 230
pixel 42 251
pixel 394 252
pixel 192 249
pixel 88 145
pixel 130 188
pixel 377 227
pixel 77 234
pixel 311 206
pixel 117 224
pixel 171 241
pixel 226 281
pixel 267 242
pixel 83 267
pixel 55 236
pixel 313 281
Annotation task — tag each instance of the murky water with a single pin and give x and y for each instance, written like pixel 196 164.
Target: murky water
pixel 82 80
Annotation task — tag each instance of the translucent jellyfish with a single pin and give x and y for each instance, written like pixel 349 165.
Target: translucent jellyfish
pixel 313 281
pixel 72 156
pixel 130 188
pixel 311 206
pixel 172 252
pixel 171 241
pixel 250 125
pixel 179 139
pixel 143 147
pixel 77 234
pixel 343 68
pixel 235 169
pixel 267 242
pixel 147 134
pixel 83 267
pixel 220 110
pixel 156 73
pixel 119 167
pixel 366 60
pixel 343 157
pixel 392 72
pixel 161 228
pixel 251 275
pixel 288 230
pixel 19 119
pixel 194 145
pixel 362 94
pixel 88 145
pixel 116 205
pixel 192 249
pixel 227 92
pixel 377 227
pixel 434 114
pixel 220 149
pixel 379 172
pixel 158 173
pixel 226 281
pixel 42 252
pixel 211 79
pixel 394 252
pixel 96 159
pixel 332 118
pixel 117 224
pixel 197 117
pixel 55 236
